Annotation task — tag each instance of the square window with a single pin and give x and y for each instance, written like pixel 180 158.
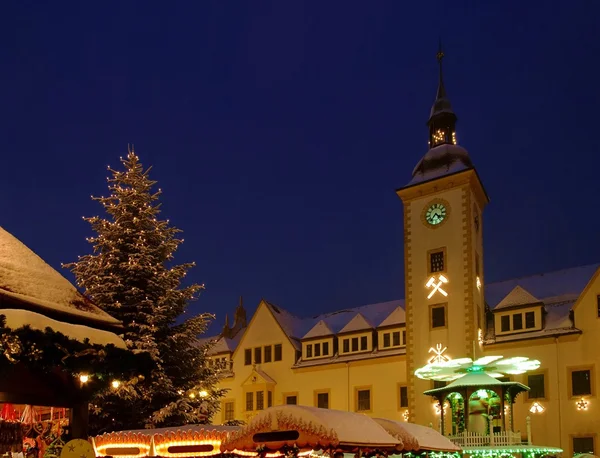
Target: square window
pixel 309 350
pixel 517 321
pixel 529 320
pixel 318 349
pixel 396 338
pixel 277 352
pixel 323 400
pixel 583 445
pixel 346 345
pixel 354 343
pixel 363 343
pixel 228 410
pixel 269 398
pixel 505 323
pixel 258 355
pixel 325 348
pixel 247 357
pixel 291 400
pixel 363 398
pixel 537 388
pixel 438 316
pixel 436 261
pixel 581 382
pixel 403 396
pixel 249 401
pixel 268 354
pixel 260 400
pixel 386 340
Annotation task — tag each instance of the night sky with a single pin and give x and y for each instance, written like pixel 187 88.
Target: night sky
pixel 279 131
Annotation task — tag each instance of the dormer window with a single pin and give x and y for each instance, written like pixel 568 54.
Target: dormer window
pixel 392 338
pixel 317 348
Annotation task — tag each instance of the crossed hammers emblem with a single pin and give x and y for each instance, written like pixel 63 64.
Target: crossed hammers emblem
pixel 436 285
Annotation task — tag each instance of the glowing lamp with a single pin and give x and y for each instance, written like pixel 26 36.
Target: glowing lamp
pixel 203 393
pixel 84 378
pixel 115 384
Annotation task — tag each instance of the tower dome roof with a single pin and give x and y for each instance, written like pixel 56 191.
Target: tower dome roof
pixel 444 159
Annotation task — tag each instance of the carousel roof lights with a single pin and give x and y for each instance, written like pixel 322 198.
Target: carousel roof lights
pixel 495 366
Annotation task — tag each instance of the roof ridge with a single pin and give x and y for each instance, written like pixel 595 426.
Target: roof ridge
pixel 597 264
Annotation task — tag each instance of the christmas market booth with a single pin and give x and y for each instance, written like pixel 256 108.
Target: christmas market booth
pixel 294 430
pixel 476 408
pixel 57 350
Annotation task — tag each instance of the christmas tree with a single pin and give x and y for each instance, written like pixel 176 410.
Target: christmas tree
pixel 131 275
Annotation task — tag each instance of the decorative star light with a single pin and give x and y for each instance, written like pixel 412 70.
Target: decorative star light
pixel 438 354
pixel 449 370
pixel 536 407
pixel 435 284
pixel 406 415
pixel 582 404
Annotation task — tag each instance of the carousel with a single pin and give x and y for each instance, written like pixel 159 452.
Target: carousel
pixel 283 431
pixel 476 408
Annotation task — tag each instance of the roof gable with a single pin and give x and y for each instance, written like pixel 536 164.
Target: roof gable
pixel 358 323
pixel 398 316
pixel 319 330
pixel 517 297
pixel 258 376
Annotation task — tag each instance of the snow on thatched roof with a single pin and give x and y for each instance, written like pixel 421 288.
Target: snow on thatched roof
pixel 16 319
pixel 26 279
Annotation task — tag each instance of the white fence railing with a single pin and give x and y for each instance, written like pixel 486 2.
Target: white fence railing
pixel 470 439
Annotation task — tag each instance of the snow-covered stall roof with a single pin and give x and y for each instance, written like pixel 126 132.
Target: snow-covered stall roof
pixel 27 280
pixel 417 437
pixel 310 428
pixel 16 318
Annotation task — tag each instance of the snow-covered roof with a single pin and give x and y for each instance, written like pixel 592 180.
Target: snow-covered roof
pixel 26 279
pixel 440 161
pixel 319 330
pixel 557 285
pixel 517 297
pixel 358 323
pixel 17 318
pixel 416 437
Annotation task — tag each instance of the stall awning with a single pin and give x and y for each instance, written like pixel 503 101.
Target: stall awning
pixel 310 428
pixel 417 437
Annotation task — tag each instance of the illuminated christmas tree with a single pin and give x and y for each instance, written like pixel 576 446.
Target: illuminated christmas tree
pixel 131 275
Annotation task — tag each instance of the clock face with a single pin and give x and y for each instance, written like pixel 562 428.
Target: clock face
pixel 435 214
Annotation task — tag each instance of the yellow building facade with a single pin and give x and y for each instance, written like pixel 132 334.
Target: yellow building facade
pixel 363 359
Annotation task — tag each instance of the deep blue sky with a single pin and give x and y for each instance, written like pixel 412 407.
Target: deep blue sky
pixel 279 130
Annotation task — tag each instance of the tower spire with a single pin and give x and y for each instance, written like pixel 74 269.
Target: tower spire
pixel 442 120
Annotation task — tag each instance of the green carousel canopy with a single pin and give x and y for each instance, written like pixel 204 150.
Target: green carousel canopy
pixel 478 380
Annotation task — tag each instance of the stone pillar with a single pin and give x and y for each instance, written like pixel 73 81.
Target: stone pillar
pixel 528 419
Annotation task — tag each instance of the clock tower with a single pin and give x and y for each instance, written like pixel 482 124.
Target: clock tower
pixel 443 254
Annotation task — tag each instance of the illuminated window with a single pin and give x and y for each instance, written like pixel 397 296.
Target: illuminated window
pixel 228 410
pixel 537 387
pixel 309 350
pixel 260 400
pixel 249 401
pixel 247 357
pixel 258 355
pixel 317 349
pixel 517 322
pixel 325 348
pixel 581 382
pixel 386 340
pixel 278 352
pixel 363 343
pixel 583 445
pixel 354 343
pixel 396 338
pixel 291 400
pixel 505 323
pixel 363 400
pixel 346 345
pixel 438 316
pixel 268 355
pixel 436 261
pixel 403 396
pixel 323 400
pixel 529 320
